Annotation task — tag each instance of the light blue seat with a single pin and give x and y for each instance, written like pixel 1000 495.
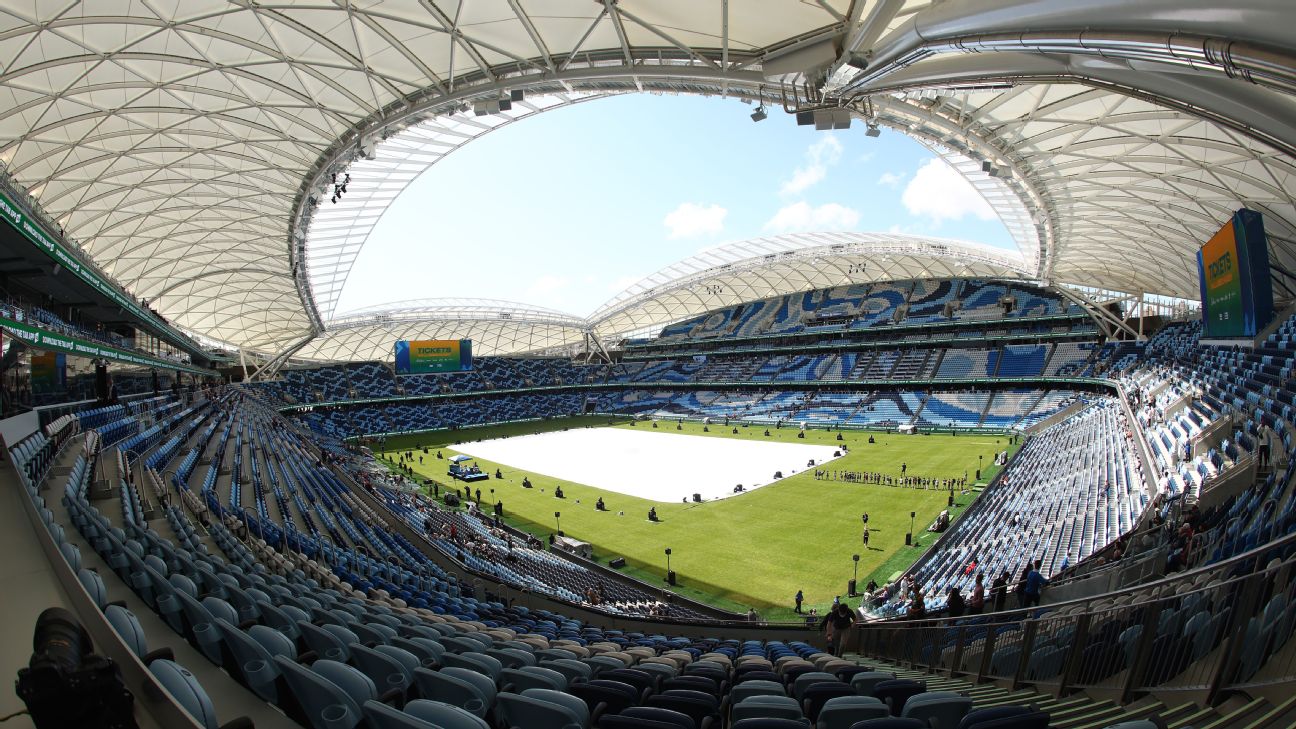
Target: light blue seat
pixel 527 677
pixel 938 709
pixel 326 704
pixel 457 687
pixel 549 654
pixel 72 554
pixel 458 644
pixel 421 714
pixel 386 671
pixel 574 704
pixel 810 678
pixel 840 712
pixel 202 627
pixel 516 710
pixel 428 651
pixel 282 618
pixel 512 657
pixel 253 661
pixel 603 663
pixel 756 687
pixel 128 627
pixel 766 707
pixel 370 633
pixel 479 662
pixel 864 682
pixel 94 585
pixel 326 644
pixel 186 691
pixel 573 670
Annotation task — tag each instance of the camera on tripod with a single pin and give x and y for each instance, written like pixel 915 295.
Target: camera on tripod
pixel 66 685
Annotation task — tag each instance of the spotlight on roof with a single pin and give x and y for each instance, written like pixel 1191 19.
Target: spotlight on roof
pixel 988 167
pixel 759 114
pixel 873 130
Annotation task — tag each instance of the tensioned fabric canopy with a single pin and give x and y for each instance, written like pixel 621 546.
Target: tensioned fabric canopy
pixel 190 145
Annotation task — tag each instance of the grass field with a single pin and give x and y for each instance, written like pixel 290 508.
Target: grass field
pixel 754 550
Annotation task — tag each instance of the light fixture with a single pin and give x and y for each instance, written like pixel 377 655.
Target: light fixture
pixel 759 114
pixel 873 130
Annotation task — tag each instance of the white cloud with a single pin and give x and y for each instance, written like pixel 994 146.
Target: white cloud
pixel 690 220
pixel 891 179
pixel 801 216
pixel 819 157
pixel 938 192
pixel 548 284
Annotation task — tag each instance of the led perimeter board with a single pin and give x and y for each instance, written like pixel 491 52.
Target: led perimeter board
pixel 417 357
pixel 1236 293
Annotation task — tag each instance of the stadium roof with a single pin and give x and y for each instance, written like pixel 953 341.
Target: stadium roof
pixel 188 144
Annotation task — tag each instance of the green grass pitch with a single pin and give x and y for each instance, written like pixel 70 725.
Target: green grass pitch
pixel 754 550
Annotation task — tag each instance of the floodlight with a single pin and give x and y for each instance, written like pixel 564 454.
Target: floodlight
pixel 759 114
pixel 873 130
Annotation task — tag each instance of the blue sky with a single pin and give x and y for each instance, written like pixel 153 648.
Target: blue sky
pixel 567 208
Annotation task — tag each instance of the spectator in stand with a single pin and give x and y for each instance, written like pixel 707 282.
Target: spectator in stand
pixel 976 603
pixel 1021 586
pixel 837 621
pixel 954 603
pixel 917 606
pixel 1035 583
pixel 999 591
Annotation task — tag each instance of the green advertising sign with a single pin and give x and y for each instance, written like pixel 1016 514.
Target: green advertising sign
pixel 42 339
pixel 31 230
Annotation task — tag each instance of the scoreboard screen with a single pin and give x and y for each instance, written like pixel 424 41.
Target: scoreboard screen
pixel 421 356
pixel 1236 293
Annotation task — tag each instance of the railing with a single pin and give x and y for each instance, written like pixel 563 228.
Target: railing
pixel 1201 633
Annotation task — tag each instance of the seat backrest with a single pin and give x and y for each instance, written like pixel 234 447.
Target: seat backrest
pixel 316 694
pixel 385 671
pixel 480 682
pixel 443 687
pixel 891 722
pixel 572 703
pixel 756 688
pixel 186 690
pixel 350 679
pixel 128 627
pixel 810 678
pixel 444 716
pixel 939 709
pixel 94 585
pixel 774 707
pixel 479 662
pixel 569 667
pixel 516 710
pixel 992 713
pixel 661 715
pixel 819 694
pixel 841 712
pixel 692 682
pixel 512 657
pixel 770 723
